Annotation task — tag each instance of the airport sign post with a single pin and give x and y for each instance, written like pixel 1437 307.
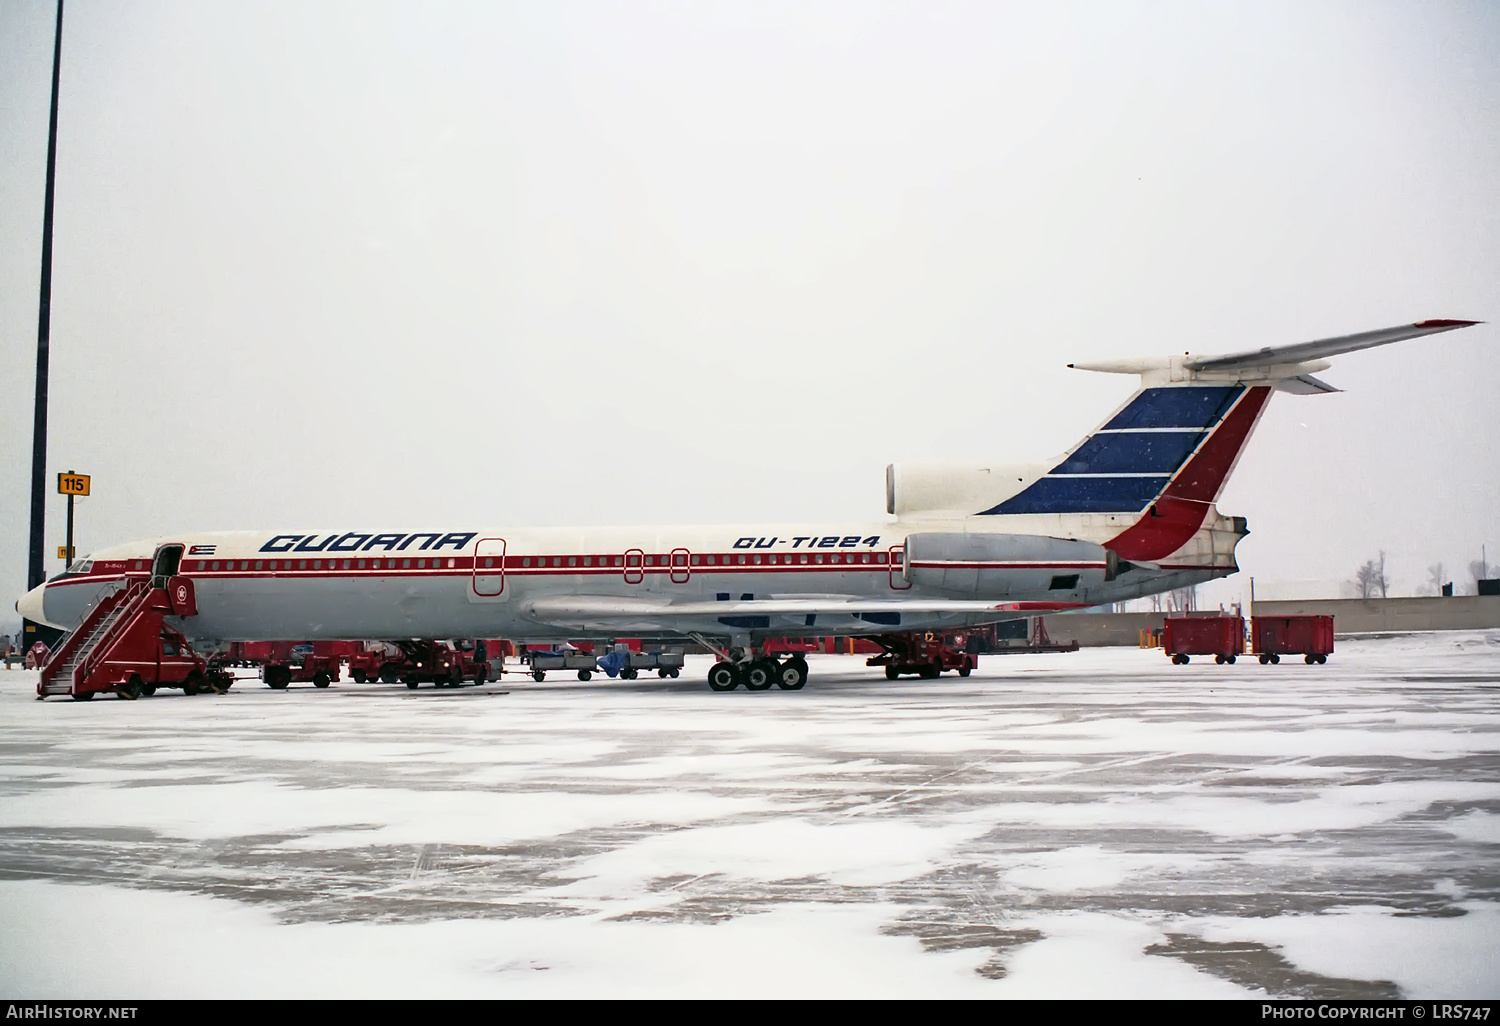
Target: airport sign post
pixel 70 484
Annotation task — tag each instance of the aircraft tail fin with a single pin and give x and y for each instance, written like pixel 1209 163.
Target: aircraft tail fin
pixel 1161 460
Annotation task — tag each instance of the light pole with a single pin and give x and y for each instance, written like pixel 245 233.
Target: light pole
pixel 36 572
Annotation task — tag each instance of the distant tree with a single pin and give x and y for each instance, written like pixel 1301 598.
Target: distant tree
pixel 1371 578
pixel 1437 578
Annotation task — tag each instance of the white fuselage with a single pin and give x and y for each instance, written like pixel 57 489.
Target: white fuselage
pixel 749 581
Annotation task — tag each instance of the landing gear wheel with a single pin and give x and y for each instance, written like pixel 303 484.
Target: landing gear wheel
pixel 131 689
pixel 321 679
pixel 724 677
pixel 760 675
pixel 584 674
pixel 538 675
pixel 359 676
pixel 411 685
pixel 791 675
pixel 891 673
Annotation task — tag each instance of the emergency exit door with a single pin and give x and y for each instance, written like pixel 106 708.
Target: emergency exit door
pixel 488 581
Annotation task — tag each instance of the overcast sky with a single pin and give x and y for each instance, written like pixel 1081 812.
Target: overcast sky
pixel 358 265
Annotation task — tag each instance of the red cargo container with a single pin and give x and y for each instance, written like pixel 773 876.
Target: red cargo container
pixel 1222 637
pixel 1308 636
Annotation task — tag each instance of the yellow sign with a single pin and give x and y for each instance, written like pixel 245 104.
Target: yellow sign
pixel 72 484
pixel 62 551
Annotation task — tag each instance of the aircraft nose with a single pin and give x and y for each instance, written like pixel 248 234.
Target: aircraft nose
pixel 29 605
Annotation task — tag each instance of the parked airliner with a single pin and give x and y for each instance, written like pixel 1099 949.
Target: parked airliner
pixel 1128 511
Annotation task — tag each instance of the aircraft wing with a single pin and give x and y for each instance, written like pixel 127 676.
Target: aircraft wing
pixel 1303 352
pixel 605 612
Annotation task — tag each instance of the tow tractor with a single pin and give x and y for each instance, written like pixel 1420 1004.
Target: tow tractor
pixel 416 662
pixel 925 654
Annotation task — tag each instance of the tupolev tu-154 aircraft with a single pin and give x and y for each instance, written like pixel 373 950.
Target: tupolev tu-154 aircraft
pixel 1128 511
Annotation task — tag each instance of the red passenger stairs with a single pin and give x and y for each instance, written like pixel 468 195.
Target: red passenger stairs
pixel 122 645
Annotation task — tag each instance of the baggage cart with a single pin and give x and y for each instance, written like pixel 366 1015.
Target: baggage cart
pixel 1222 637
pixel 1311 637
pixel 584 662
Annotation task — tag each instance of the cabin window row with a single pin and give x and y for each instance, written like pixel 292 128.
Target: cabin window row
pixel 741 559
pixel 333 564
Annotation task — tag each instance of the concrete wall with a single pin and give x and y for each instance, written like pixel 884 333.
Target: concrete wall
pixel 1350 616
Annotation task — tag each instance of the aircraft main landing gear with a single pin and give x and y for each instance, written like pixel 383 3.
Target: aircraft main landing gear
pixel 759 674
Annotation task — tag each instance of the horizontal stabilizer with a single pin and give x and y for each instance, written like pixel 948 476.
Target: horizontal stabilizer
pixel 1303 352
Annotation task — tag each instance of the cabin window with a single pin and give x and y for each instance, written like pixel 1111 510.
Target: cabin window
pixel 588 560
pixel 818 558
pixel 406 564
pixel 258 563
pixel 572 560
pixel 709 560
pixel 317 564
pixel 361 564
pixel 421 564
pixel 346 564
pixel 301 564
pixel 755 559
pixel 695 560
pixel 557 561
pixel 1063 582
pixel 866 558
pixel 216 564
pixel 742 560
pixel 526 561
pixel 489 562
pixel 618 560
pixel 804 559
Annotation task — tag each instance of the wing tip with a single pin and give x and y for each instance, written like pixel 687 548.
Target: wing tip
pixel 1441 322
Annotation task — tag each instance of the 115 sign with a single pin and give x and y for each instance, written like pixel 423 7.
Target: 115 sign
pixel 73 484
